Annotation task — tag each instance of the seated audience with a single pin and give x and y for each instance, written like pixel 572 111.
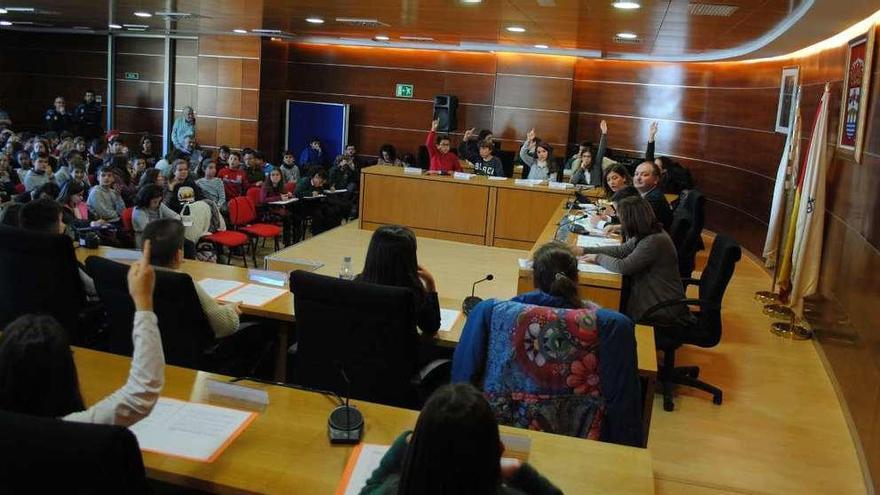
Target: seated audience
pixel 23 160
pixel 166 239
pixel 555 277
pixel 585 170
pixel 288 168
pixel 149 207
pixel 212 186
pixel 455 449
pixel 199 216
pixel 616 178
pixel 104 202
pixel 153 176
pixel 408 160
pixel 324 216
pixel 150 154
pixel 540 164
pixel 388 156
pixel 442 161
pixel 649 259
pixel 647 181
pixel 274 189
pixel 10 216
pixel 234 178
pixel 137 165
pixel 344 175
pixel 75 212
pixel 470 142
pixel 392 260
pixel 312 156
pixel 485 163
pixel 254 168
pixel 223 156
pixel 38 373
pixel 181 178
pixel 350 152
pixel 40 174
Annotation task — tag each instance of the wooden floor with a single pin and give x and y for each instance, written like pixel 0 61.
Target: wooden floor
pixel 780 429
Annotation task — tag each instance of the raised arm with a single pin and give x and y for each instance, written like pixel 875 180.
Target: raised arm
pixel 431 140
pixel 652 132
pixel 524 151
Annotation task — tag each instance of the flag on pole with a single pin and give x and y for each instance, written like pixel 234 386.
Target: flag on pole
pixel 788 162
pixel 807 252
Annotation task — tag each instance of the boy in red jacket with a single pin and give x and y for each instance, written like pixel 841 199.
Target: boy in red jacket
pixel 442 161
pixel 234 178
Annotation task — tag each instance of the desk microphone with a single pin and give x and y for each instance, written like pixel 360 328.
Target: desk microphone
pixel 346 423
pixel 469 302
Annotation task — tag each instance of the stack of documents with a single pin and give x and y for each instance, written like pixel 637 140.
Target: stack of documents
pixel 232 291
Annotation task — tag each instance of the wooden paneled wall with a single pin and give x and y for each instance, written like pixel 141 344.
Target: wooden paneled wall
pixel 34 69
pixel 138 105
pixel 228 91
pixel 845 319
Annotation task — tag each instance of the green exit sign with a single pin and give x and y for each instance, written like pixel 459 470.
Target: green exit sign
pixel 133 76
pixel 404 91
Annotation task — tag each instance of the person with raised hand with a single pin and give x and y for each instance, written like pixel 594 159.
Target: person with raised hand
pixel 38 374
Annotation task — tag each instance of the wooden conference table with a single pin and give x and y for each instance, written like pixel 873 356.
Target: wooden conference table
pixel 479 210
pixel 285 449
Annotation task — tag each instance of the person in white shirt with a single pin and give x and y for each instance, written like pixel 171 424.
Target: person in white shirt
pixel 38 373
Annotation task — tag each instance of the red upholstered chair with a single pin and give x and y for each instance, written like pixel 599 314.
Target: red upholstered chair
pixel 242 215
pixel 127 226
pixel 253 194
pixel 290 187
pixel 19 188
pixel 230 239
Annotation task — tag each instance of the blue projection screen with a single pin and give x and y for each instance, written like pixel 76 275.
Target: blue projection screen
pixel 326 121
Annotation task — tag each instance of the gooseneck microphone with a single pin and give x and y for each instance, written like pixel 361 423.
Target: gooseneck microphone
pixel 346 423
pixel 469 302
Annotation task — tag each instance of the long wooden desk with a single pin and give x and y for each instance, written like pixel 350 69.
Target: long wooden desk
pixel 476 211
pixel 285 450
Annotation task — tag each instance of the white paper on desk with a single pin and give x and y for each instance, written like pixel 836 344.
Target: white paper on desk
pixel 316 196
pixel 216 287
pixel 190 430
pixel 493 177
pixel 368 460
pixel 253 295
pixel 525 264
pixel 412 170
pixel 593 241
pixel 527 182
pixel 559 185
pixel 448 317
pixel 337 191
pixel 123 254
pixel 462 175
pixel 592 268
pixel 284 201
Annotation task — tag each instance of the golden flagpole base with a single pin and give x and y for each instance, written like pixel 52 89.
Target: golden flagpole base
pixel 767 297
pixel 794 331
pixel 779 312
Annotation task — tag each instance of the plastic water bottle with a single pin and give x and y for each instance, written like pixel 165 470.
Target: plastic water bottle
pixel 345 272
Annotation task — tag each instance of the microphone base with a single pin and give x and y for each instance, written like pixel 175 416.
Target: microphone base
pixel 345 425
pixel 469 302
pixel 578 229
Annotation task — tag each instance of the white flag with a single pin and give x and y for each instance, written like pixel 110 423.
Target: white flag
pixel 789 161
pixel 807 253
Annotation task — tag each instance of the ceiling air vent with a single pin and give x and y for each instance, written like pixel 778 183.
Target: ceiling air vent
pixel 711 9
pixel 627 41
pixel 365 23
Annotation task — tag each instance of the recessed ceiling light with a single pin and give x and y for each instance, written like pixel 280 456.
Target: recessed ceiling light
pixel 5 23
pixel 3 11
pixel 627 36
pixel 471 1
pixel 381 37
pixel 135 26
pixel 314 20
pixel 266 31
pixel 20 9
pixel 275 39
pixel 516 29
pixel 240 31
pixel 543 47
pixel 626 5
pixel 143 14
pixel 114 26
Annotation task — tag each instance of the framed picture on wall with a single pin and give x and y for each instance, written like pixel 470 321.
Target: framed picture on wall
pixel 787 88
pixel 854 105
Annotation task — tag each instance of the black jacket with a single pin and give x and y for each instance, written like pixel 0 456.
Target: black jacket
pixel 660 206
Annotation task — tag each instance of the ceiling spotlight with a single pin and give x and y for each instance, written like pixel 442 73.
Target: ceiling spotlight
pixel 516 29
pixel 114 26
pixel 3 11
pixel 543 47
pixel 626 5
pixel 381 37
pixel 26 10
pixel 472 1
pixel 143 14
pixel 627 36
pixel 314 20
pixel 240 31
pixel 5 23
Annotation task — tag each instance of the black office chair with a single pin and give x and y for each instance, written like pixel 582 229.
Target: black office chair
pixel 692 205
pixel 47 455
pixel 367 330
pixel 423 158
pixel 507 160
pixel 681 224
pixel 706 330
pixel 39 274
pixel 187 338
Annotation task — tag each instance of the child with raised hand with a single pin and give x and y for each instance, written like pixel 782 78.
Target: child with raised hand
pixel 38 375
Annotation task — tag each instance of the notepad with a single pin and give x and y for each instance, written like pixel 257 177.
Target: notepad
pixel 215 287
pixel 593 268
pixel 593 241
pixel 199 432
pixel 284 201
pixel 448 317
pixel 364 459
pixel 252 295
pixel 337 191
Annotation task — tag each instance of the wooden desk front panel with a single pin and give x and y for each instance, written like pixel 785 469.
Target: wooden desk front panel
pixel 521 215
pixel 426 205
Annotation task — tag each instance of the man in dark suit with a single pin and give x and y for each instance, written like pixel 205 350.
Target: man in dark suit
pixel 647 181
